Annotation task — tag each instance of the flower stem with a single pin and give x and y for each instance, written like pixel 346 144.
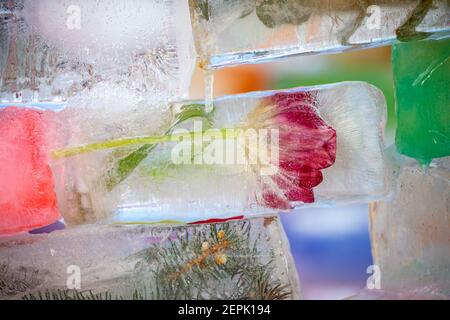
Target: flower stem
pixel 225 133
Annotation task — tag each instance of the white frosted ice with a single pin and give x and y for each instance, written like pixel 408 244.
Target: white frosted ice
pixel 56 49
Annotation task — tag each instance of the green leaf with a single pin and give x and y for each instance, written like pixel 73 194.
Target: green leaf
pixel 126 165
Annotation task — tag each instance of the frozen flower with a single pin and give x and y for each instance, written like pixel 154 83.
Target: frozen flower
pixel 306 145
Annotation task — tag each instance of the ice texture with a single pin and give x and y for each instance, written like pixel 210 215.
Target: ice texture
pixel 287 27
pixel 143 262
pixel 331 151
pixel 111 67
pixel 410 235
pixel 105 112
pixel 53 50
pixel 361 170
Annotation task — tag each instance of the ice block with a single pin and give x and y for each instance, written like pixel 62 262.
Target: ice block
pixel 410 235
pixel 50 51
pixel 421 74
pixel 27 196
pixel 235 260
pixel 248 31
pixel 253 154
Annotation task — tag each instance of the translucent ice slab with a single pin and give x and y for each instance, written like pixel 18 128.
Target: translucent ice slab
pixel 247 259
pixel 315 146
pixel 249 31
pixel 50 50
pixel 410 235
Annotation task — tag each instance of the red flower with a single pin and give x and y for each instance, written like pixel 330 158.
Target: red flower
pixel 306 145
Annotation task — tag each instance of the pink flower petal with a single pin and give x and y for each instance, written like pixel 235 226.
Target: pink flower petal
pixel 307 145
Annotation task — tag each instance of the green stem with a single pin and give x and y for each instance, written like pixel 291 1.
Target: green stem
pixel 225 133
pixel 126 165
